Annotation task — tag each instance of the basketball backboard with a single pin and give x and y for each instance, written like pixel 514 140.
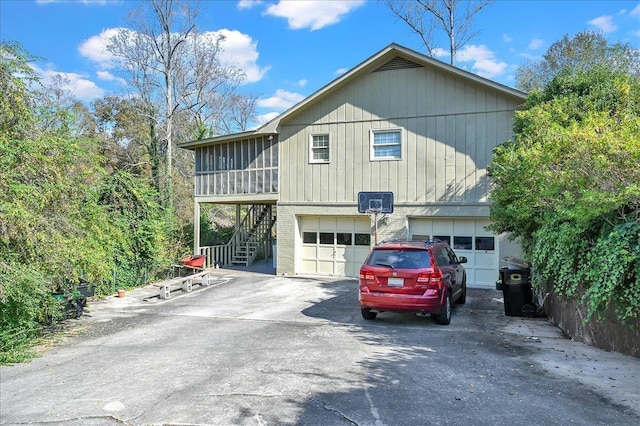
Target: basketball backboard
pixel 381 202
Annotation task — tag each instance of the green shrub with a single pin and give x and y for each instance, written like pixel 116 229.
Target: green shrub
pixel 26 306
pixel 568 187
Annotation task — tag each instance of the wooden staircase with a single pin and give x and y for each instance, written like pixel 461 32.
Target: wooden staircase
pixel 253 234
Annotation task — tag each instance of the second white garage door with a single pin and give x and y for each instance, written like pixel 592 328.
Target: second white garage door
pixel 330 245
pixel 469 238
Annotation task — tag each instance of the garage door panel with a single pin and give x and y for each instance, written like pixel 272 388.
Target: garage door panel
pixel 340 246
pixel 344 224
pixel 342 252
pixel 485 259
pixel 442 225
pixel 464 228
pixel 484 276
pixel 325 267
pixel 309 265
pixel 310 222
pixel 362 226
pixel 309 252
pixel 325 252
pixel 327 224
pixel 480 227
pixel 468 237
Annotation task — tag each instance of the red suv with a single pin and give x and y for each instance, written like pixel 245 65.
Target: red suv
pixel 411 276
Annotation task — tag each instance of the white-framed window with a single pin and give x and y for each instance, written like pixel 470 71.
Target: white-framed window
pixel 319 148
pixel 386 144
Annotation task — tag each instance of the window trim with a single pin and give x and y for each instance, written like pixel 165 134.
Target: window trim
pixel 311 148
pixel 372 133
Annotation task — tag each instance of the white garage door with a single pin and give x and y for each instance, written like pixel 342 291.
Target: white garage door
pixel 330 245
pixel 468 238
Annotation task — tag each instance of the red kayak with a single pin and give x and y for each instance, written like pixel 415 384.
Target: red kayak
pixel 195 261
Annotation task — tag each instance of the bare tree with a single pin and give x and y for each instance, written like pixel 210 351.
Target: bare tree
pixel 211 97
pixel 242 111
pixel 428 17
pixel 174 70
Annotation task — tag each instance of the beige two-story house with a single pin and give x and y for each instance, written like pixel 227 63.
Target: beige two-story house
pixel 400 122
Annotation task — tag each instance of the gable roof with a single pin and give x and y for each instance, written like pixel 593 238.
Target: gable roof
pixel 391 57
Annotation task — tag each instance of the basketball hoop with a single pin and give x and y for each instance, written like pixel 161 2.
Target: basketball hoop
pixel 374 203
pixel 370 202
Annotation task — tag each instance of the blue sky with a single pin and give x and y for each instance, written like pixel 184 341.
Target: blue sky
pixel 290 49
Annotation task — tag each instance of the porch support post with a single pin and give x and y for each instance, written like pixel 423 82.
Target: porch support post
pixel 237 224
pixel 196 227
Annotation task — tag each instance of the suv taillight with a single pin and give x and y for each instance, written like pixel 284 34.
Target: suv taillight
pixel 367 276
pixel 431 279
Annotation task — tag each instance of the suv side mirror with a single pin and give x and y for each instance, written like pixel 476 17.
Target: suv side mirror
pixel 462 259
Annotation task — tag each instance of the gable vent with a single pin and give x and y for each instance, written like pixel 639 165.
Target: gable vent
pixel 397 63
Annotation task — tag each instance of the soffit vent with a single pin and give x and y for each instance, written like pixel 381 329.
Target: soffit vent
pixel 397 63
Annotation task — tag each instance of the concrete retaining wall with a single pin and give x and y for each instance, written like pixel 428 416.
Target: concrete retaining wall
pixel 607 333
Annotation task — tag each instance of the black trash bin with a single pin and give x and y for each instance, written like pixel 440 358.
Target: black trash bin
pixel 516 289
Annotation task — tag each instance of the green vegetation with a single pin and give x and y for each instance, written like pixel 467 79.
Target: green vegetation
pixel 70 210
pixel 569 185
pixel 99 193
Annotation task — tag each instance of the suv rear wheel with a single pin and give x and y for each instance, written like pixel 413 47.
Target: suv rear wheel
pixel 445 317
pixel 367 314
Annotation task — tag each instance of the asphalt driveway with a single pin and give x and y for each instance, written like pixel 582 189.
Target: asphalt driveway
pixel 256 349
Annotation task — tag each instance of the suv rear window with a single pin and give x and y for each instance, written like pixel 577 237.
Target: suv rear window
pixel 400 259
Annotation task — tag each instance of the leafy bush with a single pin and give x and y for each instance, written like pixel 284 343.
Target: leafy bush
pixel 65 216
pixel 568 187
pixel 141 230
pixel 26 305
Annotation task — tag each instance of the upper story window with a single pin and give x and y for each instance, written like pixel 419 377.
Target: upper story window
pixel 386 144
pixel 319 149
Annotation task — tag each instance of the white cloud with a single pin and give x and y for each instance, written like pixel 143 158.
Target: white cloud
pixel 604 23
pixel 536 44
pixel 341 71
pixel 440 53
pixel 241 50
pixel 95 48
pixel 302 82
pixel 507 38
pixel 265 118
pixel 282 100
pixel 635 13
pixel 248 4
pixel 83 89
pixel 107 76
pixel 484 61
pixel 312 14
pixel 77 84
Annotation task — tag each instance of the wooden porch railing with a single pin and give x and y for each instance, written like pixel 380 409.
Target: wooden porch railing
pixel 243 247
pixel 221 254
